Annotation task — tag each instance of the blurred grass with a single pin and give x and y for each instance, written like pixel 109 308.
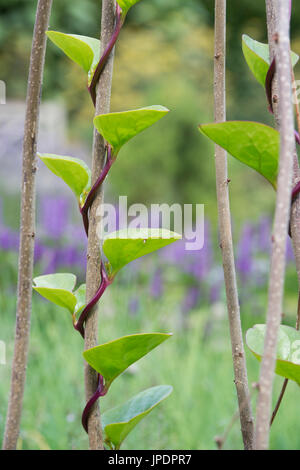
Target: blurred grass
pixel 196 361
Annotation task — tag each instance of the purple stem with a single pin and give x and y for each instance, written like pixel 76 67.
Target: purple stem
pixel 91 195
pixel 100 392
pixel 106 53
pixel 105 282
pixel 269 82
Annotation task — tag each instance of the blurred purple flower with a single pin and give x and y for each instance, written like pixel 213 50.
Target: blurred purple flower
pixel 264 235
pixel 215 292
pixel 244 252
pixel 191 299
pixel 156 288
pixel 134 305
pixel 289 251
pixel 9 240
pixel 54 216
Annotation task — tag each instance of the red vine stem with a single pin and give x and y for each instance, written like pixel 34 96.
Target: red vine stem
pixel 105 282
pixel 91 195
pixel 100 392
pixel 106 53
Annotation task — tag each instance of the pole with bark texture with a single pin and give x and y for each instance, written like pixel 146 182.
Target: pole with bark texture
pixel 27 228
pixel 94 244
pixel 238 353
pixel 280 230
pixel 272 21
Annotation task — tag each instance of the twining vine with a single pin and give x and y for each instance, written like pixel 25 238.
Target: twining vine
pixel 109 360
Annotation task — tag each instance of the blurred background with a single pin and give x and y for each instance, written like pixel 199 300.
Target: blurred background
pixel 164 56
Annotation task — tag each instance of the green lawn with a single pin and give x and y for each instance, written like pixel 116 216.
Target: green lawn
pixel 198 365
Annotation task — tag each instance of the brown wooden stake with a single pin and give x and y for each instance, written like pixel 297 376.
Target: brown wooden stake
pixel 27 228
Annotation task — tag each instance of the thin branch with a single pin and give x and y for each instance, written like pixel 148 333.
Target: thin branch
pixel 27 228
pixel 94 243
pixel 238 352
pixel 279 239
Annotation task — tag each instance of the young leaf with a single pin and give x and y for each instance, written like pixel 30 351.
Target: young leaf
pixel 252 143
pixel 75 173
pixel 288 349
pixel 119 128
pixel 124 246
pixel 126 5
pixel 119 422
pixel 58 289
pixel 111 359
pixel 83 50
pixel 257 56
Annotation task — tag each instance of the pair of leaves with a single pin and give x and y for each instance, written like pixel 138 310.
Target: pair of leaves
pixel 252 143
pixel 117 129
pixel 118 422
pixel 120 249
pixel 59 289
pixel 257 56
pixel 112 358
pixel 288 349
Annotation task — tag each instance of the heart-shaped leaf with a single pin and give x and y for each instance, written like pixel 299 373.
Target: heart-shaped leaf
pixel 288 349
pixel 58 288
pixel 83 50
pixel 126 245
pixel 126 5
pixel 252 143
pixel 73 171
pixel 119 128
pixel 119 422
pixel 257 56
pixel 111 359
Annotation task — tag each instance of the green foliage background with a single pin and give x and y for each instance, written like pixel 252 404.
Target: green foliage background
pixel 164 57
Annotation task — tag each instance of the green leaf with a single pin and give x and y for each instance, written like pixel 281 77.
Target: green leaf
pixel 58 289
pixel 252 143
pixel 126 5
pixel 80 294
pixel 119 422
pixel 111 359
pixel 119 128
pixel 258 58
pixel 288 349
pixel 83 50
pixel 126 245
pixel 73 171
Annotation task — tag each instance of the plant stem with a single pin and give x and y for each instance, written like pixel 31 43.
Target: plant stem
pixel 27 226
pixel 238 352
pixel 90 197
pixel 94 244
pixel 281 222
pixel 106 53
